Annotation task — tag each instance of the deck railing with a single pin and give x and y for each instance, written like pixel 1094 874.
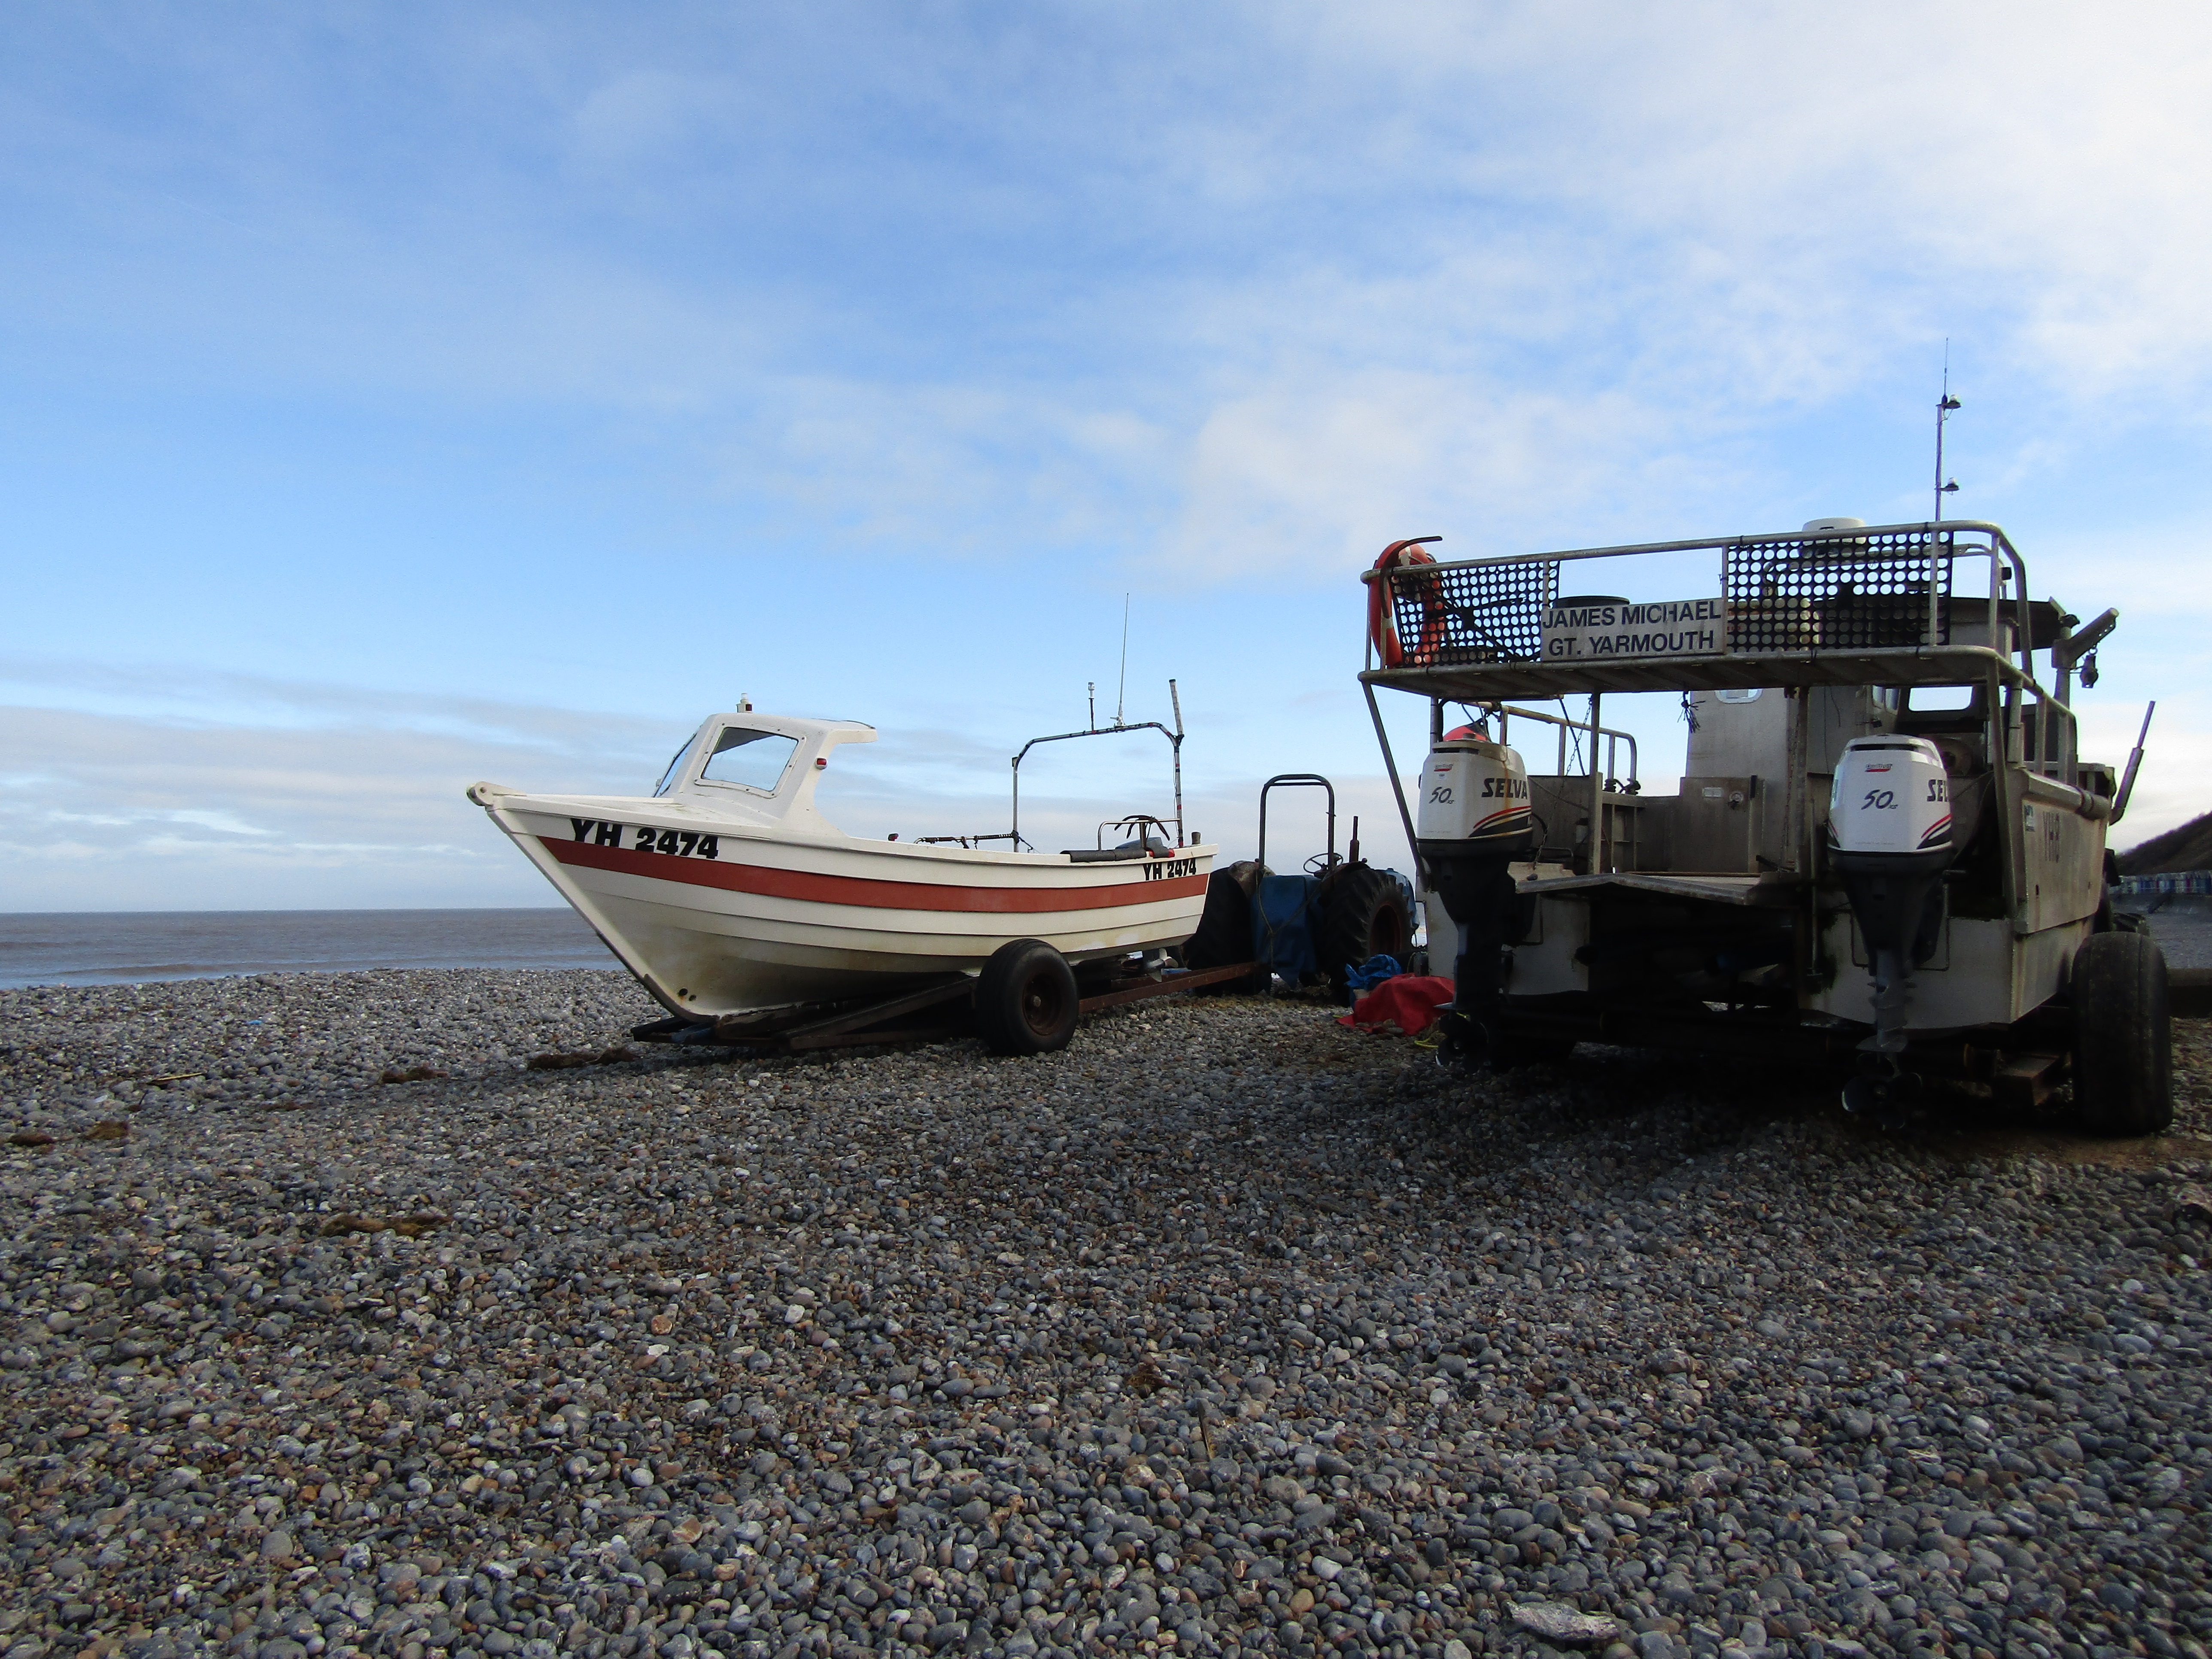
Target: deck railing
pixel 1817 590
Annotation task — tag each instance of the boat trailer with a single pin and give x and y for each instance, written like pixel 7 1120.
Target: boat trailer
pixel 938 1012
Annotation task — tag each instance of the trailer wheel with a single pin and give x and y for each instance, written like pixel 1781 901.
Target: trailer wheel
pixel 1364 914
pixel 1026 1002
pixel 2122 1040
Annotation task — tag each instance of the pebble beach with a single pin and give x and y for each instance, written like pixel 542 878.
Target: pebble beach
pixel 1225 1331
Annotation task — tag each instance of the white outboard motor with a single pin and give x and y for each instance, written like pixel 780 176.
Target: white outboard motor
pixel 1891 794
pixel 1891 816
pixel 1474 798
pixel 1473 821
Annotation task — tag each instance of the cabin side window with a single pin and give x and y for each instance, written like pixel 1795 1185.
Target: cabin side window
pixel 675 770
pixel 753 760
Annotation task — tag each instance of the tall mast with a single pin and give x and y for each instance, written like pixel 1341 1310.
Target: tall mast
pixel 1944 406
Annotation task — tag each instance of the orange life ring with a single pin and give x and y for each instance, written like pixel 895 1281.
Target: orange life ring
pixel 1382 628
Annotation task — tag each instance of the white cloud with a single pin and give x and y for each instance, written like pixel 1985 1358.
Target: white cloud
pixel 1313 479
pixel 640 117
pixel 1828 168
pixel 1633 243
pixel 321 797
pixel 944 468
pixel 310 796
pixel 964 290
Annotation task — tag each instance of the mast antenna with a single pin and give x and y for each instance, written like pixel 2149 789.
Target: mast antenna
pixel 1944 406
pixel 1123 688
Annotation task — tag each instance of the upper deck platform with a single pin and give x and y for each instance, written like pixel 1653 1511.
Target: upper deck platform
pixel 1873 605
pixel 1728 671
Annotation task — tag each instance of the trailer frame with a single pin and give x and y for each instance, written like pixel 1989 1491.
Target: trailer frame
pixel 944 1009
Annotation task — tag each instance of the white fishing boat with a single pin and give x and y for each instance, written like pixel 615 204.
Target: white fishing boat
pixel 727 892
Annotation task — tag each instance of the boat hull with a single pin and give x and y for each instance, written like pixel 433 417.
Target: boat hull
pixel 720 918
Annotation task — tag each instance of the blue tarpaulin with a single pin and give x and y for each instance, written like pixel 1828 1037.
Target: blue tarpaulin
pixel 1283 926
pixel 1286 923
pixel 1372 972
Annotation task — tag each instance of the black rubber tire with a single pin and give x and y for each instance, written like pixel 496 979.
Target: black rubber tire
pixel 2123 1036
pixel 1223 935
pixel 1026 1002
pixel 1363 913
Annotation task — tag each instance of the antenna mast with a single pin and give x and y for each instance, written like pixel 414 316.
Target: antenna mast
pixel 1944 406
pixel 1120 690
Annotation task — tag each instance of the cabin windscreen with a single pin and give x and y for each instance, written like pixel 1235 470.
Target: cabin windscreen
pixel 754 760
pixel 675 770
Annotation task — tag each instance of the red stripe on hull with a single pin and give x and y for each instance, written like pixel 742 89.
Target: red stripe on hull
pixel 865 892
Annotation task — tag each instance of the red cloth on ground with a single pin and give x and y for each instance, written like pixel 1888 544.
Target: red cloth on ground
pixel 1409 1003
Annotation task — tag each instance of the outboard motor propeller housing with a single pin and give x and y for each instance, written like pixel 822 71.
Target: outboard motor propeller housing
pixel 1473 823
pixel 1890 813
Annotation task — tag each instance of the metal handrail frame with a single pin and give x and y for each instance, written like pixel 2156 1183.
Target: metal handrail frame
pixel 1173 734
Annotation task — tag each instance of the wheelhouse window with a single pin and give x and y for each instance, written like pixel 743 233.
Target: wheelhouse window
pixel 675 770
pixel 753 760
pixel 1925 699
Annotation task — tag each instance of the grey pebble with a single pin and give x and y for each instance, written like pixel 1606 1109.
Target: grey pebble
pixel 1218 1311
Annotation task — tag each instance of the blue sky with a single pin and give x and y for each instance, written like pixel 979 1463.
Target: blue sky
pixel 394 396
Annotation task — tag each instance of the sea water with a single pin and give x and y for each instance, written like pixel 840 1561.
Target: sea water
pixel 121 948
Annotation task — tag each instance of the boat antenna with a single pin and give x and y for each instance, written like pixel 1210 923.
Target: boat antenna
pixel 1091 686
pixel 1944 406
pixel 1122 690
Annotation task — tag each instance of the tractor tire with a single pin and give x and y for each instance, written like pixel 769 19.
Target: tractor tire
pixel 1026 1002
pixel 1224 935
pixel 2123 1036
pixel 1363 913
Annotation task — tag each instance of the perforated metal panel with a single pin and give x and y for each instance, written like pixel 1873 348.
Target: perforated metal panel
pixel 1838 593
pixel 1453 616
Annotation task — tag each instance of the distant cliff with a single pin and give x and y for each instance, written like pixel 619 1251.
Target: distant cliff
pixel 2189 848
